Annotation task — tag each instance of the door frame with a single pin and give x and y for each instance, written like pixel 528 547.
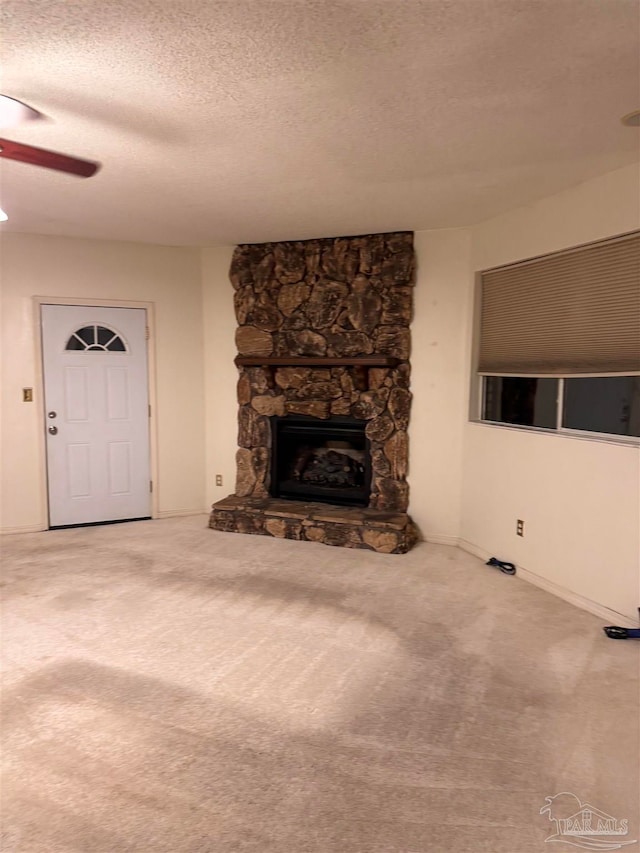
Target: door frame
pixel 37 302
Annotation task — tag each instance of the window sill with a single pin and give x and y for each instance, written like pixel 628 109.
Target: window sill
pixel 599 438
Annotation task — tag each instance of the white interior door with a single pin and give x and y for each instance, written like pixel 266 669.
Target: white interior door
pixel 96 413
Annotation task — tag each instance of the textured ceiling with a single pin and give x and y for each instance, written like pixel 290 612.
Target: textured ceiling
pixel 256 120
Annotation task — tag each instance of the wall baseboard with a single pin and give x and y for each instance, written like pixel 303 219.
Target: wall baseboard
pixel 611 617
pixel 175 513
pixel 27 528
pixel 435 539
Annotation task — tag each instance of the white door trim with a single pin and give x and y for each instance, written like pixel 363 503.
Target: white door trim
pixel 149 307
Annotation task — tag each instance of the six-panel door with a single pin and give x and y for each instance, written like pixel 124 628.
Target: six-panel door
pixel 96 413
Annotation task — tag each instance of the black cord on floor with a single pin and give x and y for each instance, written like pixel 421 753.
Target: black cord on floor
pixel 507 568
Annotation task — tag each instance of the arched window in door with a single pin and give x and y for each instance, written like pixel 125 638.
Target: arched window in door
pixel 94 338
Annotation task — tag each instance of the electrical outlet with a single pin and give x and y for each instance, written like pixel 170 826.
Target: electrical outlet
pixel 218 479
pixel 520 527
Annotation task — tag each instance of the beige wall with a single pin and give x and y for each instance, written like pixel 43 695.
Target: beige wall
pixel 439 335
pixel 85 269
pixel 580 499
pixel 221 404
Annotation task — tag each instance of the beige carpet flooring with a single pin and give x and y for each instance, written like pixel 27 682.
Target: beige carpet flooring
pixel 170 688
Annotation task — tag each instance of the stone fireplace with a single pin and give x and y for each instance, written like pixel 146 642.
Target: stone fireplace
pixel 323 391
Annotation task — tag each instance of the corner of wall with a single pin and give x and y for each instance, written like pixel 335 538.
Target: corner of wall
pixel 97 271
pixel 220 374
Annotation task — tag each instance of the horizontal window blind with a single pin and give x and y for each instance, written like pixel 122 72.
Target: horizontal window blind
pixel 568 313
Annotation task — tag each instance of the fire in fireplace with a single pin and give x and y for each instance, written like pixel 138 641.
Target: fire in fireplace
pixel 320 460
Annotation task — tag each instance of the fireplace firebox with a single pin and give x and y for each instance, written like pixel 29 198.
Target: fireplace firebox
pixel 320 460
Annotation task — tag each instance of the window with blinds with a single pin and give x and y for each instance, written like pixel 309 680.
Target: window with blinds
pixel 560 340
pixel 575 312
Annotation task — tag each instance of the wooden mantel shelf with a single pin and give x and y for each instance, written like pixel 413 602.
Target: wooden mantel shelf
pixel 316 361
pixel 360 364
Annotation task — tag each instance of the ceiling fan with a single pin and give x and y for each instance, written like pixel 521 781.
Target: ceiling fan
pixel 14 112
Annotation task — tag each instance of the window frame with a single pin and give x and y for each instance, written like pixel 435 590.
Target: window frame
pixel 589 435
pixel 96 347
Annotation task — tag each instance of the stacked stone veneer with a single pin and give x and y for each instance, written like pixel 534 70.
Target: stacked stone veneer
pixel 341 297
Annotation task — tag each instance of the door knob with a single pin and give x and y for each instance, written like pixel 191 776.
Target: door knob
pixel 52 414
pixel 53 430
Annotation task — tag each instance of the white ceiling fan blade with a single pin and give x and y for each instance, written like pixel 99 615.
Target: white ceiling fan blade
pixel 14 112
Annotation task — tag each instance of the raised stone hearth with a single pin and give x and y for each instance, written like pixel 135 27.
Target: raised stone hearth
pixel 350 527
pixel 323 333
